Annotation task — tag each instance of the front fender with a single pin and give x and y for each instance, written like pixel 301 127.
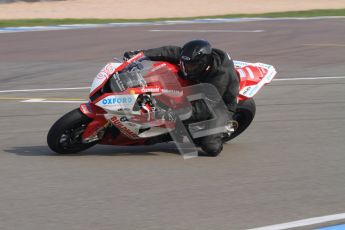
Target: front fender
pixel 90 110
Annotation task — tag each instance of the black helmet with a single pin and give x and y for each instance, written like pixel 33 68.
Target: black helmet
pixel 195 58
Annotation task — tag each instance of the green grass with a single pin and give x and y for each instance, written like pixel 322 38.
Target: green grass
pixel 46 22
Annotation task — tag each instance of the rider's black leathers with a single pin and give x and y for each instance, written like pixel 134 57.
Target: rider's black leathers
pixel 221 74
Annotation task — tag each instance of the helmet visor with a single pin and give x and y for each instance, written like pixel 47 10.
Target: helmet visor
pixel 193 67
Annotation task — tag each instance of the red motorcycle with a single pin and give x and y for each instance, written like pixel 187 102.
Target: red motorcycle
pixel 134 102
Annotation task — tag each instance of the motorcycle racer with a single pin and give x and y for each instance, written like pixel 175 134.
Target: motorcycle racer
pixel 200 63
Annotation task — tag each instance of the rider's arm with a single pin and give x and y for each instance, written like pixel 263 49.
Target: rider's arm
pixel 231 95
pixel 166 53
pixel 225 79
pixel 232 88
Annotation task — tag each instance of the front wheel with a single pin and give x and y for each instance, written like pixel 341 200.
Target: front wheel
pixel 244 115
pixel 65 136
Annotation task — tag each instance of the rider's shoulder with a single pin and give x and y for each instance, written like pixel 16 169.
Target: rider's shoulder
pixel 221 57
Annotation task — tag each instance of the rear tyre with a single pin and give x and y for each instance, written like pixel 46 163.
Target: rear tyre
pixel 244 115
pixel 65 136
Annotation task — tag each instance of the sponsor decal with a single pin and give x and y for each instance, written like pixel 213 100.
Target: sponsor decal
pixel 129 133
pixel 124 110
pixel 101 75
pixel 173 93
pixel 131 125
pixel 117 100
pixel 152 90
pixel 119 82
pixel 240 64
pixel 109 68
pixel 245 90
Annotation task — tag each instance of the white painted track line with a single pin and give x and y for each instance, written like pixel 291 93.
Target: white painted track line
pixel 304 222
pixel 308 78
pixel 210 31
pixel 34 90
pixel 42 100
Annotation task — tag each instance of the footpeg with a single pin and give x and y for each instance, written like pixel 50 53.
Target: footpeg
pixel 231 127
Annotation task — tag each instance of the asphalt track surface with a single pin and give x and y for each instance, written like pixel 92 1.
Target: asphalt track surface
pixel 289 165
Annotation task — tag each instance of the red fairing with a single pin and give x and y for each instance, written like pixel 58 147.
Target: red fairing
pixel 124 129
pixel 120 139
pixel 251 74
pixel 104 75
pixel 129 61
pixel 90 110
pixel 175 69
pixel 93 127
pixel 95 113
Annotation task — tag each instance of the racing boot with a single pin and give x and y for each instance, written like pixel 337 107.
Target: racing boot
pixel 212 145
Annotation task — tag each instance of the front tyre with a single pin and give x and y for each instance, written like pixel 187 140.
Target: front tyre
pixel 244 115
pixel 65 136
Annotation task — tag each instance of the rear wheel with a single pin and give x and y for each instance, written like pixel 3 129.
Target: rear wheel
pixel 65 136
pixel 244 115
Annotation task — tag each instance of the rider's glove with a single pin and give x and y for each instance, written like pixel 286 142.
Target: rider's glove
pixel 129 54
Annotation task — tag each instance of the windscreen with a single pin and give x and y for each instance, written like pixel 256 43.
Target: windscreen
pixel 143 74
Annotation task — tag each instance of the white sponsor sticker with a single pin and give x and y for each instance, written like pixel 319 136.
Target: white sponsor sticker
pixel 116 102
